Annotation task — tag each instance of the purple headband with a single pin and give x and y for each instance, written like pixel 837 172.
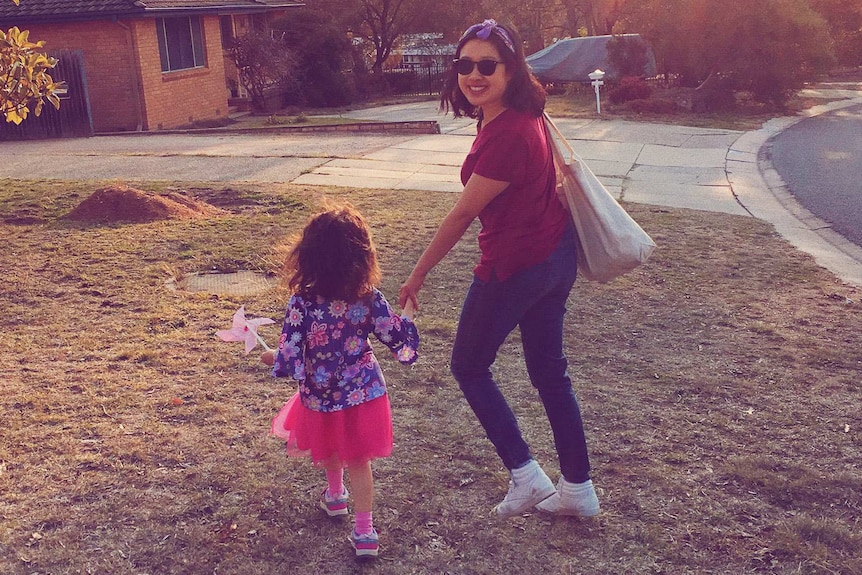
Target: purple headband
pixel 483 32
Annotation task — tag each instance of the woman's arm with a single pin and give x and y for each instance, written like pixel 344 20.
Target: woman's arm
pixel 477 194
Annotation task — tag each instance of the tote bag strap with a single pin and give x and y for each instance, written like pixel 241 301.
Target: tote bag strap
pixel 554 132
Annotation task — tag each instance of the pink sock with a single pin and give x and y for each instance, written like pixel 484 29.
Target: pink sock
pixel 335 480
pixel 364 524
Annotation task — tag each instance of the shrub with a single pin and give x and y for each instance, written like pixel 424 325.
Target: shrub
pixel 849 49
pixel 629 88
pixel 326 89
pixel 323 56
pixel 400 81
pixel 627 55
pixel 716 93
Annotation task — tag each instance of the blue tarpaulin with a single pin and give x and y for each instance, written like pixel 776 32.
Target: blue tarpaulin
pixel 572 59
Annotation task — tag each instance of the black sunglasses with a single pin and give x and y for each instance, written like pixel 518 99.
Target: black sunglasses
pixel 464 66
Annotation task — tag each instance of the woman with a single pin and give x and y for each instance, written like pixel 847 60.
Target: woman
pixel 526 269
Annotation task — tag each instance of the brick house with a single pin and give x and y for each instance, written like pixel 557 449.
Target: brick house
pixel 150 64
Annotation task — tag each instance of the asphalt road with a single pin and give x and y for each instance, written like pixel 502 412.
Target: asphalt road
pixel 820 161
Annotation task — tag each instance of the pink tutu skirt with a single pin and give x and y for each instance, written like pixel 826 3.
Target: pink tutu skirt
pixel 347 437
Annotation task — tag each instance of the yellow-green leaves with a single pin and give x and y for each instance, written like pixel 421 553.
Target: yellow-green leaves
pixel 24 77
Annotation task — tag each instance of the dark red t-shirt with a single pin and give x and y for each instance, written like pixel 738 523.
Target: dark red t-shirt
pixel 521 226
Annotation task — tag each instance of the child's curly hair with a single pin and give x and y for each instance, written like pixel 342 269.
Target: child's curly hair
pixel 334 257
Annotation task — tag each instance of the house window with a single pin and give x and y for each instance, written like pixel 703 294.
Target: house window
pixel 227 34
pixel 181 43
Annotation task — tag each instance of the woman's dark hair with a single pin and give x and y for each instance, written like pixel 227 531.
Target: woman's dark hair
pixel 335 257
pixel 523 91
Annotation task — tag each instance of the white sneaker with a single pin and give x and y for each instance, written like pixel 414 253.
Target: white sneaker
pixel 578 499
pixel 529 485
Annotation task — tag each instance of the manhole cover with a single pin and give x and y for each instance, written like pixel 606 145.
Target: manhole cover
pixel 236 283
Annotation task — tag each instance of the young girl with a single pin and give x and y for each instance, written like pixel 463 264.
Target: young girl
pixel 340 416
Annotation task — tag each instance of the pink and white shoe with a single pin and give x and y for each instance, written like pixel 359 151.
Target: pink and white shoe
pixel 334 506
pixel 366 544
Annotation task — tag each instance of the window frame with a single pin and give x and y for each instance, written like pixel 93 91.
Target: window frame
pixel 181 47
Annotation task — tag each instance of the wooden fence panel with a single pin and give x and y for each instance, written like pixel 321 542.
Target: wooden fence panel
pixel 74 118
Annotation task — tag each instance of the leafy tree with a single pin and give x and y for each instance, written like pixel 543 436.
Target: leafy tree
pixel 671 28
pixel 533 18
pixel 628 55
pixel 844 18
pixel 597 17
pixel 536 20
pixel 323 55
pixel 450 18
pixel 768 47
pixel 382 22
pixel 374 25
pixel 24 78
pixel 264 62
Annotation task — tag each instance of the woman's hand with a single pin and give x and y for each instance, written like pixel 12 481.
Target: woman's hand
pixel 409 309
pixel 409 292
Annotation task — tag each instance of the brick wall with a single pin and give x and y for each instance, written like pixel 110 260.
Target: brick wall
pixel 126 85
pixel 173 99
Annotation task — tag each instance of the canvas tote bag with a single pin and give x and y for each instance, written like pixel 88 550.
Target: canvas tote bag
pixel 611 242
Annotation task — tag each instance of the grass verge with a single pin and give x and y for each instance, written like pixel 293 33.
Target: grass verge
pixel 747 115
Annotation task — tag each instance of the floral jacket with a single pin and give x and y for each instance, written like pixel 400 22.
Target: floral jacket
pixel 324 345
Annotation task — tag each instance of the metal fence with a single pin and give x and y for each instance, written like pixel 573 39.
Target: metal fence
pixel 73 119
pixel 416 79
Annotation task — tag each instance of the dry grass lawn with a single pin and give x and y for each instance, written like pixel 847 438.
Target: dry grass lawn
pixel 720 385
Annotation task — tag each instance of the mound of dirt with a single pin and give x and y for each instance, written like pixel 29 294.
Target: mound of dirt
pixel 120 203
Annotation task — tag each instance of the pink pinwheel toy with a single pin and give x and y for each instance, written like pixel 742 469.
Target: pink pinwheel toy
pixel 245 330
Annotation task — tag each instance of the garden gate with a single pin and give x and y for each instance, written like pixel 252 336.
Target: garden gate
pixel 73 119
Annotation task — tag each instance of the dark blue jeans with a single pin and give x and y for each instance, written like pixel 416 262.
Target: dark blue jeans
pixel 533 299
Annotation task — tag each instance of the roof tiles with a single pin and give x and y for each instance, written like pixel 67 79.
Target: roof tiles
pixel 30 10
